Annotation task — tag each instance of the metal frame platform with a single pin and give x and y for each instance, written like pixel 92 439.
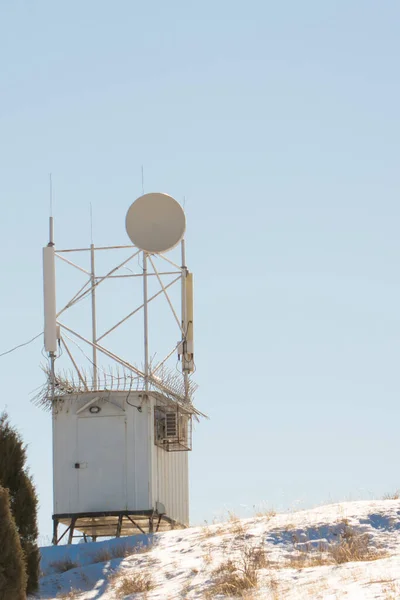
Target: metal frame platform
pixel 111 524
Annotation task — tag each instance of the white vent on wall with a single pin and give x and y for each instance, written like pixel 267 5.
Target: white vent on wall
pixel 171 425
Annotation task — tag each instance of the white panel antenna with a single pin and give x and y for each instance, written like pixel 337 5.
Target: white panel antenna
pixel 49 291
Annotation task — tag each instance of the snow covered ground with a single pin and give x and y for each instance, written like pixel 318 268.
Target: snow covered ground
pixel 345 551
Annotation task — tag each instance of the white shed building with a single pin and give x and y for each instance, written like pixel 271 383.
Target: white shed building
pixel 120 462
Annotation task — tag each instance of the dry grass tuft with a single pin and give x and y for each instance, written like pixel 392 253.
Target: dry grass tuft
pixel 102 555
pixel 217 530
pixel 235 525
pixel 63 565
pixel 207 556
pixel 134 583
pixel 352 547
pixel 312 558
pixel 238 577
pixel 120 551
pixel 391 590
pixel 274 589
pixel 256 557
pixel 393 496
pixel 73 594
pixel 206 531
pixel 231 579
pixel 265 512
pixel 185 591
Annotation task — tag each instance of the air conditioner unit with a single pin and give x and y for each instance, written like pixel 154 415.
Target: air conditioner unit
pixel 172 429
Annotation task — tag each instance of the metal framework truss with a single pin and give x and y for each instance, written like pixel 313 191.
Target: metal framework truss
pixel 177 387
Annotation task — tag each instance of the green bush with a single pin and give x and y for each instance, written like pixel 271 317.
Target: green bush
pixel 13 579
pixel 15 478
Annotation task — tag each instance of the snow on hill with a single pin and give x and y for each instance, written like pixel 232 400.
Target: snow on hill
pixel 349 550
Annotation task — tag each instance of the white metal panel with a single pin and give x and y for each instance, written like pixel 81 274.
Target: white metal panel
pixel 170 477
pixel 189 313
pixel 172 483
pixel 102 460
pixel 49 293
pixel 65 479
pixel 111 453
pixel 138 458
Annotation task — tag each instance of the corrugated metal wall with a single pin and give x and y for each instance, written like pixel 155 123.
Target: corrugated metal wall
pixel 171 483
pixel 170 478
pixel 138 459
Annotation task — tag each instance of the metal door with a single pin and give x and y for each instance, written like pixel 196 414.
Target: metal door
pixel 102 463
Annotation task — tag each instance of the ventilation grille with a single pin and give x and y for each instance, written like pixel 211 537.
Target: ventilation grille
pixel 172 429
pixel 171 425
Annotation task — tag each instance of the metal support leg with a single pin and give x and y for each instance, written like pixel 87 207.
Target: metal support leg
pixel 135 524
pixel 63 535
pixel 119 526
pixel 158 522
pixel 55 532
pixel 71 531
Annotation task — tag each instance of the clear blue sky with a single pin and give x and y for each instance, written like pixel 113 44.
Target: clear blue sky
pixel 279 123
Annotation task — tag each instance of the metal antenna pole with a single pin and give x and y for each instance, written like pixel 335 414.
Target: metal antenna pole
pixel 91 223
pixel 51 221
pixel 94 332
pixel 51 194
pixel 51 232
pixel 52 355
pixel 145 324
pixel 184 319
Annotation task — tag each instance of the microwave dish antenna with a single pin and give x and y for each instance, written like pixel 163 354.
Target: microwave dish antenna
pixel 155 223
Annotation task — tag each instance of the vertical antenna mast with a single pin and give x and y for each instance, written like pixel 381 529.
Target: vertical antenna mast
pixel 49 291
pixel 184 317
pixel 145 324
pixel 145 313
pixel 51 222
pixel 93 293
pixel 91 223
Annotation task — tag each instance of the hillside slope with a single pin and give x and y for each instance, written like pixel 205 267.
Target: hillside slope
pixel 349 550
